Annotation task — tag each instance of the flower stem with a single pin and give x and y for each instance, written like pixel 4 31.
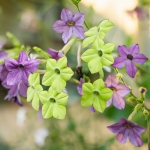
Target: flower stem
pixel 79 54
pixel 41 71
pixel 132 115
pixel 67 47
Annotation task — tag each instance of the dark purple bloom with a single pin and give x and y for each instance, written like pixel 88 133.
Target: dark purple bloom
pixel 70 24
pixel 125 129
pixel 55 54
pixel 128 57
pixel 119 91
pixel 79 87
pixel 15 99
pixel 20 69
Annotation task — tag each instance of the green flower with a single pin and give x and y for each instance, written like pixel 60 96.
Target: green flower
pixel 97 32
pixel 57 73
pixel 53 104
pixel 34 90
pixel 98 56
pixel 95 94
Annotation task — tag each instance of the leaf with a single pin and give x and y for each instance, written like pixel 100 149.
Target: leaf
pixel 76 2
pixel 34 79
pixel 105 25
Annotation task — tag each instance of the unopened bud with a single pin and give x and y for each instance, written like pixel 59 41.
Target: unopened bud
pixel 119 75
pixel 143 90
pixel 138 107
pixel 145 112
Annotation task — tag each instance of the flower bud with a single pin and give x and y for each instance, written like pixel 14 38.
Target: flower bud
pixel 143 90
pixel 145 112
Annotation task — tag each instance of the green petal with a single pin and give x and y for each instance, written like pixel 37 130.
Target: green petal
pixel 89 55
pixel 47 110
pixel 99 84
pixel 44 97
pixel 107 59
pixel 105 25
pixel 62 62
pixel 30 94
pixel 108 48
pixel 66 73
pixel 87 88
pixel 38 88
pixel 99 104
pixel 89 40
pixel 95 65
pixel 34 79
pixel 106 93
pixel 51 64
pixel 91 31
pixel 62 98
pixel 98 44
pixel 87 100
pixel 101 34
pixel 59 112
pixel 36 101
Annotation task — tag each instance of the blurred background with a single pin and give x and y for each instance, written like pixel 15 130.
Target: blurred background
pixel 22 128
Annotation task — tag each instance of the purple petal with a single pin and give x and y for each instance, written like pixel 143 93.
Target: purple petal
pixel 55 54
pixel 111 81
pixel 117 127
pixel 67 34
pixel 17 100
pixel 92 109
pixel 122 90
pixel 4 72
pixel 22 57
pixel 59 26
pixel 130 69
pixel 123 135
pixel 135 138
pixel 13 90
pixel 139 58
pixel 78 19
pixel 134 49
pixel 23 89
pixel 3 55
pixel 118 101
pixel 78 32
pixel 11 64
pixel 122 50
pixel 66 15
pixel 109 102
pixel 120 62
pixel 138 129
pixel 79 87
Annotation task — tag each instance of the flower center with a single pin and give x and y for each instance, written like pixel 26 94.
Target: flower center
pixel 100 53
pixel 129 56
pixel 128 126
pixel 52 100
pixel 70 23
pixel 20 66
pixel 57 71
pixel 96 93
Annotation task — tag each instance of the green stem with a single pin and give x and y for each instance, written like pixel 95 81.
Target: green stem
pixel 132 115
pixel 41 71
pixel 79 54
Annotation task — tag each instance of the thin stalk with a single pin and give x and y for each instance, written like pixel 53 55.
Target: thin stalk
pixel 41 71
pixel 79 54
pixel 132 115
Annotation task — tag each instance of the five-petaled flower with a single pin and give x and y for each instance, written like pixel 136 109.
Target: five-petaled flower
pixel 20 69
pixel 70 24
pixel 55 54
pixel 128 57
pixel 119 91
pixel 125 129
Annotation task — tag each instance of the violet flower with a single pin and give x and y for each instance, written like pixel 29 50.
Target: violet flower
pixel 119 91
pixel 92 109
pixel 3 55
pixel 20 69
pixel 70 25
pixel 15 99
pixel 128 57
pixel 125 129
pixel 55 54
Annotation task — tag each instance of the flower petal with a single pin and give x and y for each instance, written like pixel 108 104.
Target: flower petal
pixel 122 50
pixel 92 109
pixel 122 90
pixel 66 15
pixel 123 135
pixel 138 129
pixel 67 34
pixel 13 90
pixel 22 57
pixel 55 54
pixel 79 87
pixel 78 19
pixel 130 69
pixel 119 62
pixel 3 55
pixel 118 101
pixel 139 58
pixel 109 102
pixel 135 138
pixel 78 32
pixel 11 64
pixel 23 89
pixel 134 49
pixel 111 81
pixel 59 26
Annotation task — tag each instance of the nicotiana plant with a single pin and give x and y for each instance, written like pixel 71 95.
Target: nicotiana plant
pixel 24 76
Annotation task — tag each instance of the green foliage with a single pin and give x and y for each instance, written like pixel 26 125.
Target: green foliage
pixel 57 73
pixel 95 94
pixel 97 32
pixel 76 2
pixel 53 104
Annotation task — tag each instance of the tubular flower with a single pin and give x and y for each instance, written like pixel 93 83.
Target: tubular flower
pixel 124 129
pixel 70 25
pixel 128 57
pixel 119 91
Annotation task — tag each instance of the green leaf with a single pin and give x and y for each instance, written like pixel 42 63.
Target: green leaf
pixel 34 79
pixel 105 25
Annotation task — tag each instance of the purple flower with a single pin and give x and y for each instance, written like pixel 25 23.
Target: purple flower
pixel 20 69
pixel 125 129
pixel 3 55
pixel 119 91
pixel 70 24
pixel 55 54
pixel 79 87
pixel 128 57
pixel 92 109
pixel 15 99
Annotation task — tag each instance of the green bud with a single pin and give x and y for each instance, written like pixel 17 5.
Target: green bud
pixel 138 107
pixel 76 2
pixel 145 112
